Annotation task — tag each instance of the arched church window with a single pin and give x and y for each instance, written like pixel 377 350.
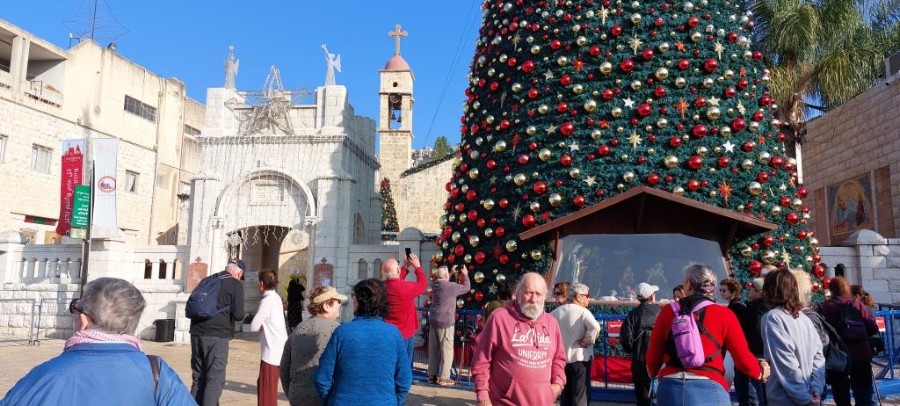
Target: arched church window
pixel 359 230
pixel 162 268
pixel 376 266
pixel 363 270
pixel 148 269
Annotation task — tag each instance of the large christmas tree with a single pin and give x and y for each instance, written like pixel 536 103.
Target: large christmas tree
pixel 572 102
pixel 388 212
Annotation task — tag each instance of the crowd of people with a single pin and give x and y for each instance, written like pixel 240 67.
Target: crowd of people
pixel 783 351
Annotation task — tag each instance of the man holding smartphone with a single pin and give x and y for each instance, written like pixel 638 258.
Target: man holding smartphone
pixel 402 294
pixel 442 321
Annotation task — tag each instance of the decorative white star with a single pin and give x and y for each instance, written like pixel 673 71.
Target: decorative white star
pixel 629 103
pixel 719 49
pixel 573 147
pixel 713 101
pixel 551 129
pixel 492 289
pixel 590 180
pixel 740 108
pixel 729 147
pixel 634 139
pixel 548 74
pixel 604 14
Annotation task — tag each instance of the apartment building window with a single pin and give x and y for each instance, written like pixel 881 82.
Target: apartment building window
pixel 161 181
pixel 131 181
pixel 40 158
pixel 191 131
pixel 3 139
pixel 140 109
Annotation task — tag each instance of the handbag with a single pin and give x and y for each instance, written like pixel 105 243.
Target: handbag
pixel 836 360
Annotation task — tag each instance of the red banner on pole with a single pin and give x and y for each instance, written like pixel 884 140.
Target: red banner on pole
pixel 72 174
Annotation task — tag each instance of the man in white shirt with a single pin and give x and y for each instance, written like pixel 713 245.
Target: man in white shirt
pixel 579 330
pixel 269 321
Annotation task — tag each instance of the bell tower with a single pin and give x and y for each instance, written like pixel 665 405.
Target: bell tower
pixel 395 113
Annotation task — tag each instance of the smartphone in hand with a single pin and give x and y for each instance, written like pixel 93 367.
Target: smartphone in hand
pixel 408 252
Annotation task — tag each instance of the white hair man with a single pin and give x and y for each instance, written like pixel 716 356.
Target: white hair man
pixel 402 296
pixel 441 322
pixel 519 357
pixel 579 331
pixel 635 339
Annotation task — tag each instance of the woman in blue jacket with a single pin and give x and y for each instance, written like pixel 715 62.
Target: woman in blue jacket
pixel 102 363
pixel 366 359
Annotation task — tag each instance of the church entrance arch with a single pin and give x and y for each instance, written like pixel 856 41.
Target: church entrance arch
pixel 265 214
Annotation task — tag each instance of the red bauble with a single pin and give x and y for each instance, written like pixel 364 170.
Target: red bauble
pixel 528 66
pixel 776 162
pixel 603 150
pixel 481 223
pixel 471 195
pixel 826 283
pixel 748 146
pixel 532 94
pixel 499 231
pixel 479 295
pixel 693 185
pixel 567 128
pixel 669 179
pixel 528 220
pixel 729 92
pixel 724 161
pixel 491 164
pixel 540 187
pixel 755 267
pixel 647 54
pixel 472 215
pixel 454 193
pixel 762 177
pixel 801 191
pixel 819 271
pixel 792 218
pixel 595 50
pixel 784 201
pixel 644 110
pixel 659 91
pixel 738 124
pixel 504 259
pixel 710 65
pixel 562 107
pixel 699 131
pixel 607 94
pixel 675 141
pixel 768 240
pixel 700 101
pixel 684 64
pixel 693 21
pixel 627 66
pixel 653 178
pixel 565 160
pixel 802 234
pixel 816 287
pixel 578 200
pixel 757 55
pixel 555 44
pixel 616 30
pixel 459 250
pixel 565 80
pixel 695 162
pixel 503 203
pixel 523 159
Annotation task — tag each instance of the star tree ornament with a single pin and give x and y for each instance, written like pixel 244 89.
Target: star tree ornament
pixel 572 102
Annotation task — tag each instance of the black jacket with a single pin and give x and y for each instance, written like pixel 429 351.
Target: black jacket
pixel 636 328
pixel 231 295
pixel 750 324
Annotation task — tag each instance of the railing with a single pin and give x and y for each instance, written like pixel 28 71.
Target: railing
pixel 24 310
pixel 885 365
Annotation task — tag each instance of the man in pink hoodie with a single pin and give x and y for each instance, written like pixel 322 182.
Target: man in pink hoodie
pixel 519 357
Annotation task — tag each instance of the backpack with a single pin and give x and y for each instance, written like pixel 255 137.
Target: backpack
pixel 852 326
pixel 686 330
pixel 203 302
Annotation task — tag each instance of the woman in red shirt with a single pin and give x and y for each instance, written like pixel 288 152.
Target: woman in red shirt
pixel 704 385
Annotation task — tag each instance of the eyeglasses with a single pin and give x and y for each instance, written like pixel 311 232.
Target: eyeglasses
pixel 75 306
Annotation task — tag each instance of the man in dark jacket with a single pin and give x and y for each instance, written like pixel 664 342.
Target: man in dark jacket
pixel 751 392
pixel 635 337
pixel 210 337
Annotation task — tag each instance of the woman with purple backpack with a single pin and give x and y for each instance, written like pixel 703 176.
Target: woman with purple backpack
pixel 694 372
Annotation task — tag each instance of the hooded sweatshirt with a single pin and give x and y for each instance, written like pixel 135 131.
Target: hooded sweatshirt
pixel 517 359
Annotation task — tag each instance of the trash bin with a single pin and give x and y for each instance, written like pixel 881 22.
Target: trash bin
pixel 165 330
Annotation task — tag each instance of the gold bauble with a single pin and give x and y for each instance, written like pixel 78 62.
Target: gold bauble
pixel 636 85
pixel 755 188
pixel 574 173
pixel 764 157
pixel 678 191
pixel 516 88
pixel 478 277
pixel 488 204
pixel 775 210
pixel 696 36
pixel 662 122
pixel 616 112
pixel 562 61
pixel 725 131
pixel 662 73
pixel 590 106
pixel 531 130
pixel 578 88
pixel 474 240
pixel 460 303
pixel 671 161
pixel 814 243
pixel 489 119
pixel 512 245
pixel 500 277
pixel 663 47
pixel 500 146
pixel 596 134
pixel 606 68
pixel 535 207
pixel 620 187
pixel 535 49
pixel 443 220
pixel 713 113
pixel 635 18
pixel 543 109
pixel 680 82
pixel 520 179
pixel 473 173
pixel 545 154
pixel 702 151
pixel 555 199
pixel 746 250
pixel 769 257
pixel 467 258
pixel 455 236
pixel 796 203
pixel 488 232
pixel 628 176
pixel 581 40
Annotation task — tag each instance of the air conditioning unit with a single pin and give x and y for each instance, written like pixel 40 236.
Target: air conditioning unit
pixel 892 66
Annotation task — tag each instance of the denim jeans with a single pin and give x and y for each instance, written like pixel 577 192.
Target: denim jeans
pixel 750 392
pixel 410 348
pixel 677 391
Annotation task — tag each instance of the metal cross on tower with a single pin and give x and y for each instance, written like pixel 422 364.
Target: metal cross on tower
pixel 396 35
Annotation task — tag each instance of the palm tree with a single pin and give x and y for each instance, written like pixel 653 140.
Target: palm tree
pixel 827 51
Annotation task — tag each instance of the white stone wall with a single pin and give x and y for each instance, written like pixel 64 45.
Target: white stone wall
pixel 420 197
pixel 870 260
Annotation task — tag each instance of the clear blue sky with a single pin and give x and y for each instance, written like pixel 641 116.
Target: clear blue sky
pixel 189 39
